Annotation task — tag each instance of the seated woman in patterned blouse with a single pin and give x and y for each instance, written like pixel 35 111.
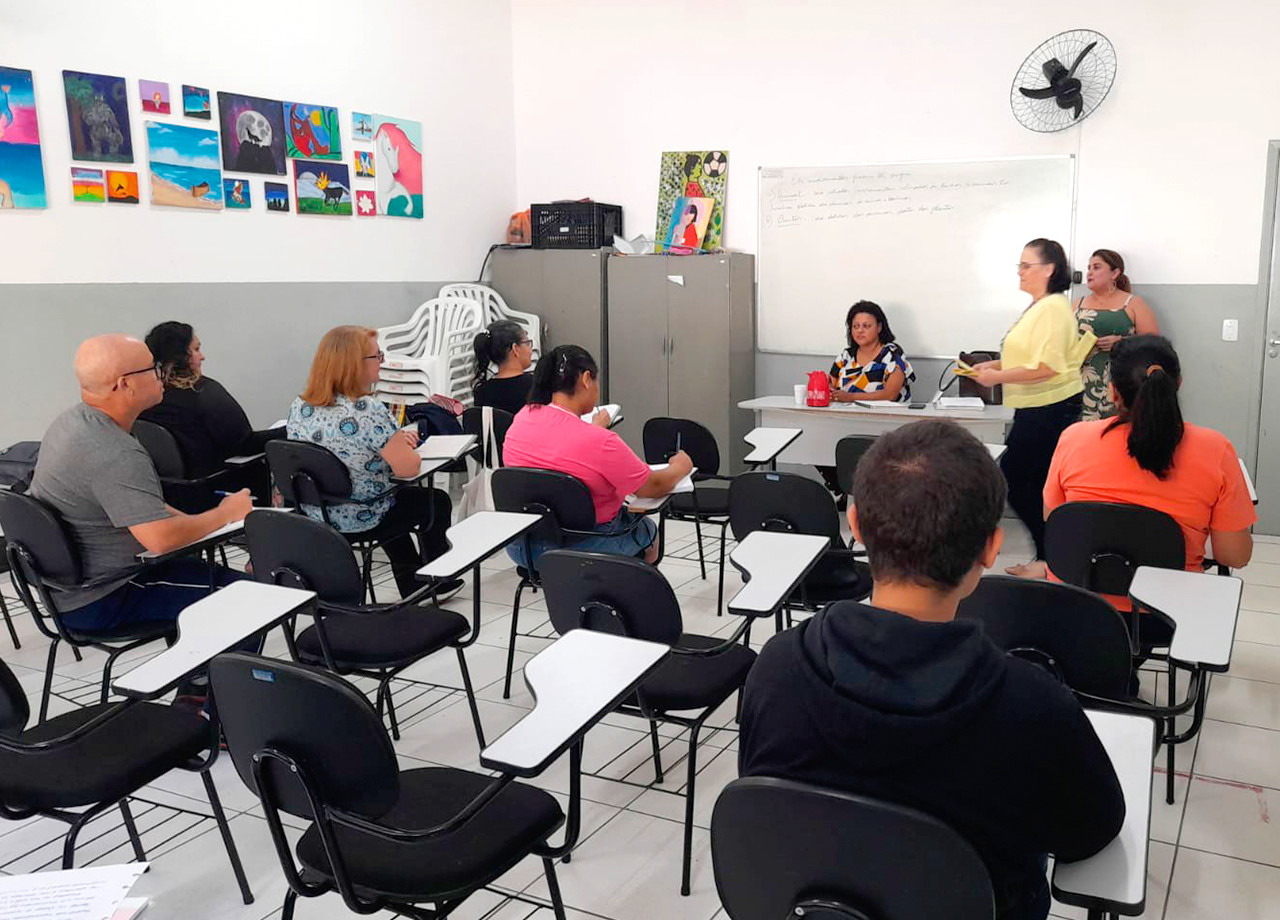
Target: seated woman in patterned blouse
pixel 337 412
pixel 873 366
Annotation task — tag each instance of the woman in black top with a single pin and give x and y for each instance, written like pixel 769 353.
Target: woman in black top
pixel 505 345
pixel 202 416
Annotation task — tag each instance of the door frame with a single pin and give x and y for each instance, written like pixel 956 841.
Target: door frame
pixel 1268 280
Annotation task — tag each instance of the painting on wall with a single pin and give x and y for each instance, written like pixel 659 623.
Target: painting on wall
pixel 86 185
pixel 184 166
pixel 312 132
pixel 366 203
pixel 98 117
pixel 361 127
pixel 21 164
pixel 322 188
pixel 364 164
pixel 235 192
pixel 277 196
pixel 252 134
pixel 688 226
pixel 397 156
pixel 122 186
pixel 692 174
pixel 195 102
pixel 155 97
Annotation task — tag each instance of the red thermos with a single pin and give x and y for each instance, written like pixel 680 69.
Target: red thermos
pixel 819 389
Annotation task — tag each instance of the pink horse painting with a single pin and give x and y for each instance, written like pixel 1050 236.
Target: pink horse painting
pixel 397 154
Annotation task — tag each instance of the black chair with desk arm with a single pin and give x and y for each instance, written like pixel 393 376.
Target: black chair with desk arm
pixel 94 758
pixel 4 607
pixel 783 848
pixel 790 503
pixel 567 511
pixel 706 504
pixel 628 597
pixel 849 453
pixel 43 559
pixel 378 641
pixel 381 837
pixel 191 494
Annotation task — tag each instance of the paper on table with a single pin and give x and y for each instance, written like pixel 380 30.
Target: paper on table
pixel 280 424
pixel 961 402
pixel 445 446
pixel 72 894
pixel 130 908
pixel 648 504
pixel 879 404
pixel 613 409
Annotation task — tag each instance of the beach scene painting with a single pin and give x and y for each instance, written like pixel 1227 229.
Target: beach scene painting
pixel 155 97
pixel 366 203
pixel 364 164
pixel 184 166
pixel 122 186
pixel 235 192
pixel 277 196
pixel 312 131
pixel 252 134
pixel 361 126
pixel 98 117
pixel 195 102
pixel 21 164
pixel 86 185
pixel 397 160
pixel 322 188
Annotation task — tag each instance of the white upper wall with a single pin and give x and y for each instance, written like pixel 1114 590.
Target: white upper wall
pixel 1171 167
pixel 445 63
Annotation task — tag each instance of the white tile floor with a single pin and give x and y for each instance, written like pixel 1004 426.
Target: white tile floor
pixel 1214 854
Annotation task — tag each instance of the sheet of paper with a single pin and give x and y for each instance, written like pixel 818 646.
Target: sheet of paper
pixel 72 894
pixel 961 402
pixel 131 908
pixel 445 446
pixel 613 409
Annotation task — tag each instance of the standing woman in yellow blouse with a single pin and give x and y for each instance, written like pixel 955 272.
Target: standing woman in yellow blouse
pixel 1039 368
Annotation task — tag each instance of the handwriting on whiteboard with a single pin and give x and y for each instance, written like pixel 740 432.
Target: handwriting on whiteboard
pixel 864 195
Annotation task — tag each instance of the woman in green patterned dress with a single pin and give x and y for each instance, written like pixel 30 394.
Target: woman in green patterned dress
pixel 1110 311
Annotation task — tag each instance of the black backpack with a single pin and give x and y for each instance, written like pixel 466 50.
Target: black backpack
pixel 18 465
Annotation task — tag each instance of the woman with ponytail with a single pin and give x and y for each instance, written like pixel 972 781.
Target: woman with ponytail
pixel 549 434
pixel 1110 311
pixel 1147 455
pixel 506 346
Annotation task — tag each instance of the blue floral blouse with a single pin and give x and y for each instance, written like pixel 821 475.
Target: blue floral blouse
pixel 355 430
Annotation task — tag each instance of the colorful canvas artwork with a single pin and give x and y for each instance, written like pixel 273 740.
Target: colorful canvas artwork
pixel 277 196
pixel 86 185
pixel 312 132
pixel 184 166
pixel 122 186
pixel 321 187
pixel 21 165
pixel 692 174
pixel 98 117
pixel 397 156
pixel 252 134
pixel 361 127
pixel 195 102
pixel 688 226
pixel 364 164
pixel 155 97
pixel 366 203
pixel 235 192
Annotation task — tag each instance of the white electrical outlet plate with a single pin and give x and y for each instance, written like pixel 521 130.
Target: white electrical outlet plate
pixel 1230 330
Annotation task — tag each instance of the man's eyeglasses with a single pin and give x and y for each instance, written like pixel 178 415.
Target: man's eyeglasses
pixel 157 369
pixel 380 356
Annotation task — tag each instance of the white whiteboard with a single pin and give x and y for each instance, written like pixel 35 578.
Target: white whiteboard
pixel 935 244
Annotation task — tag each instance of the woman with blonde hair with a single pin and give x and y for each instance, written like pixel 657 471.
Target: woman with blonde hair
pixel 336 411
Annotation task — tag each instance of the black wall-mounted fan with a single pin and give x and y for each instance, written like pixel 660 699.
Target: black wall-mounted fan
pixel 1063 80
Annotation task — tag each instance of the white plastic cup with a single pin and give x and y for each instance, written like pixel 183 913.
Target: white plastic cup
pixel 802 394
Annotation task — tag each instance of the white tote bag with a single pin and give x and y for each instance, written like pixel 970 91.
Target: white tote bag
pixel 477 494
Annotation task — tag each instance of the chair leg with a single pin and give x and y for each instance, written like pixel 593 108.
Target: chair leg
pixel 220 816
pixel 290 901
pixel 657 751
pixel 471 698
pixel 48 680
pixel 106 673
pixel 391 709
pixel 8 622
pixel 511 644
pixel 720 591
pixel 697 528
pixel 367 553
pixel 132 830
pixel 553 888
pixel 69 842
pixel 1173 730
pixel 75 652
pixel 688 808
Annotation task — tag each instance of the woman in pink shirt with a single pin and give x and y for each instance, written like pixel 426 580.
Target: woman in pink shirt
pixel 549 434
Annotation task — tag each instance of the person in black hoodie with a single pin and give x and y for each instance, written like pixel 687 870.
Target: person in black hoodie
pixel 897 700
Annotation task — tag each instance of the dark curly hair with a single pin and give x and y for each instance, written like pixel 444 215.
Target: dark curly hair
pixel 170 344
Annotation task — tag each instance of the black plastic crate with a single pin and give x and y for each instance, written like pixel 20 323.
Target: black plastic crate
pixel 575 224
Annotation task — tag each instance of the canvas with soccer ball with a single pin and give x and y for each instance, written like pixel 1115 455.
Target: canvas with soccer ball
pixel 692 174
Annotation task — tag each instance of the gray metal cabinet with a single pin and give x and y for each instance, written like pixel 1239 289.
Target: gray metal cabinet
pixel 682 343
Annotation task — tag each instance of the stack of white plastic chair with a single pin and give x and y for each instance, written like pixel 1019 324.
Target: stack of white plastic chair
pixel 495 308
pixel 432 353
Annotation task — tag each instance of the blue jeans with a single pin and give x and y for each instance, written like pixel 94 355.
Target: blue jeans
pixel 158 592
pixel 611 537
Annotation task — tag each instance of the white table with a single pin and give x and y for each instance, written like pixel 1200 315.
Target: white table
pixel 575 682
pixel 221 535
pixel 767 443
pixel 824 426
pixel 426 469
pixel 1115 878
pixel 210 627
pixel 996 450
pixel 1248 481
pixel 1203 607
pixel 474 539
pixel 774 563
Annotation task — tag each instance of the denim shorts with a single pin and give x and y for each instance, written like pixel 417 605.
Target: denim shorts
pixel 610 537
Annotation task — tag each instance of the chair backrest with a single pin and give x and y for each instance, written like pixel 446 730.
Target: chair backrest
pixel 33 529
pixel 14 708
pixel 784 849
pixel 782 502
pixel 318 719
pixel 608 593
pixel 297 552
pixel 307 473
pixel 563 501
pixel 1074 631
pixel 849 451
pixel 662 435
pixel 473 423
pixel 163 448
pixel 1099 545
